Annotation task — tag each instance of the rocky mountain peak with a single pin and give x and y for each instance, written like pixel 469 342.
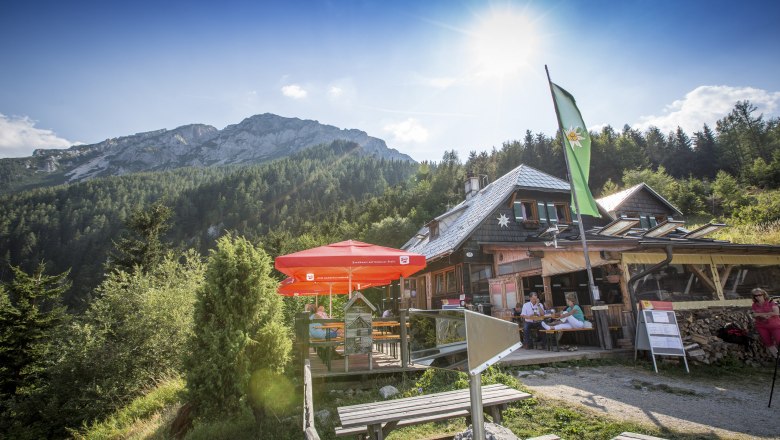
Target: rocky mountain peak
pixel 256 139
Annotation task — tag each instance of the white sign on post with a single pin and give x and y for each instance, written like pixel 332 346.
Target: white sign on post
pixel 658 332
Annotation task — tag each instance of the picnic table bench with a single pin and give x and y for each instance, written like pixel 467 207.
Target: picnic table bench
pixel 552 334
pixel 379 418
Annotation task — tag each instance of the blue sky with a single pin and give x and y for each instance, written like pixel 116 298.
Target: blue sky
pixel 425 76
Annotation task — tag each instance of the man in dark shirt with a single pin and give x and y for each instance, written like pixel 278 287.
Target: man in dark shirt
pixel 517 312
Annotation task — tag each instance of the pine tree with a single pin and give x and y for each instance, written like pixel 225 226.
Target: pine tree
pixel 30 313
pixel 142 247
pixel 237 328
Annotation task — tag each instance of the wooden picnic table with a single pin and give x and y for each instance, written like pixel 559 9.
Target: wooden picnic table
pixel 542 318
pixel 378 419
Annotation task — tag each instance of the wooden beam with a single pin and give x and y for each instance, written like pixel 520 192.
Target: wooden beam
pixel 704 277
pixel 724 277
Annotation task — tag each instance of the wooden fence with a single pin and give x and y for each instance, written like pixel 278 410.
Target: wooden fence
pixel 309 431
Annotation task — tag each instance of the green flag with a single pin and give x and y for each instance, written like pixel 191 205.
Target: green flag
pixel 577 149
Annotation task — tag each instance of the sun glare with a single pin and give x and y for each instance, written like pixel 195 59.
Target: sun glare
pixel 502 43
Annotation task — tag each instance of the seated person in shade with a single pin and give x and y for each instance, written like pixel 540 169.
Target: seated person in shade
pixel 321 313
pixel 530 309
pixel 572 317
pixel 315 330
pixel 517 313
pixel 387 313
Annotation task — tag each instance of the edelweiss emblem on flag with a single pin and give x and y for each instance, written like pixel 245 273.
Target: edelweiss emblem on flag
pixel 574 137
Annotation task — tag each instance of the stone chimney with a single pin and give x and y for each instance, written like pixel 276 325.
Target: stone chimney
pixel 472 185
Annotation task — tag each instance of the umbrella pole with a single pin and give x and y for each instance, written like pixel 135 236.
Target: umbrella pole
pixel 330 298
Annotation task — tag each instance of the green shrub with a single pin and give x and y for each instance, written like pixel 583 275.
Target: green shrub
pixel 238 330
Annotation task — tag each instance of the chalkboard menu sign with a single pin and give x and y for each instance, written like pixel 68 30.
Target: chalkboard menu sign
pixel 657 331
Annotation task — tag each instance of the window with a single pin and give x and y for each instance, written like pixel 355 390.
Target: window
pixel 479 277
pixel 523 265
pixel 446 281
pixel 543 211
pixel 497 296
pixel 563 213
pixel 438 283
pixel 647 221
pixel 525 211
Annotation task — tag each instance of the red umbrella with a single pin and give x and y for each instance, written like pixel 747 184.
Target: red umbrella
pixel 349 261
pixel 291 287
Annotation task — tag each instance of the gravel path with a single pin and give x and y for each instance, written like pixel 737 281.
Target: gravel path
pixel 734 409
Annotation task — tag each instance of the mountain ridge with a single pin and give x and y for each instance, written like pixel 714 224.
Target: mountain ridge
pixel 256 139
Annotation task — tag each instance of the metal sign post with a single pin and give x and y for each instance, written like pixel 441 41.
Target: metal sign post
pixel 465 341
pixel 477 416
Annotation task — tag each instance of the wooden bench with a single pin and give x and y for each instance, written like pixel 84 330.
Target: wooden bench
pixel 553 334
pixel 378 419
pixel 550 333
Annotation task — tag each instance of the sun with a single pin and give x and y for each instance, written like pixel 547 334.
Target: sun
pixel 502 43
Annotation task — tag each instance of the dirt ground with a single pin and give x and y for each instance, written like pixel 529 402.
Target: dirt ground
pixel 734 408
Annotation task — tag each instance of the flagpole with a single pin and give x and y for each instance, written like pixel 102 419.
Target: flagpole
pixel 591 284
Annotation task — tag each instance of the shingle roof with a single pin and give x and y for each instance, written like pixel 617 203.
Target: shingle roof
pixel 471 212
pixel 613 201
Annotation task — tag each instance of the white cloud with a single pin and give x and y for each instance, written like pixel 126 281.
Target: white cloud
pixel 409 130
pixel 335 91
pixel 707 104
pixel 294 91
pixel 19 137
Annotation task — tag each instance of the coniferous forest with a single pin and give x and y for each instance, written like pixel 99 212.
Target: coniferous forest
pixel 115 285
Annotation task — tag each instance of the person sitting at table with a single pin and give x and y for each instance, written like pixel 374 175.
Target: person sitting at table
pixel 517 312
pixel 532 309
pixel 321 313
pixel 315 328
pixel 572 317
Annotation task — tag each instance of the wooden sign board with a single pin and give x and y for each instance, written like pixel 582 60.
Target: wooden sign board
pixel 658 332
pixel 357 326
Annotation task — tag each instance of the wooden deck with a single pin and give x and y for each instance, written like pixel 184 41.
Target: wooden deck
pixel 538 357
pixel 381 362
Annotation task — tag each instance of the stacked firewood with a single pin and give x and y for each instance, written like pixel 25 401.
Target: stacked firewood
pixel 700 331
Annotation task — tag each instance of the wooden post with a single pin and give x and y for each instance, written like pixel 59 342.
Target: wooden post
pixel 547 281
pixel 402 314
pixel 302 336
pixel 309 431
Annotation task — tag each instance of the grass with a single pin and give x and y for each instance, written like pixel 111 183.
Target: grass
pixel 149 417
pixel 528 418
pixel 765 233
pixel 144 417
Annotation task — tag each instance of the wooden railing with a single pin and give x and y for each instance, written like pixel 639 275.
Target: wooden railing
pixel 309 431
